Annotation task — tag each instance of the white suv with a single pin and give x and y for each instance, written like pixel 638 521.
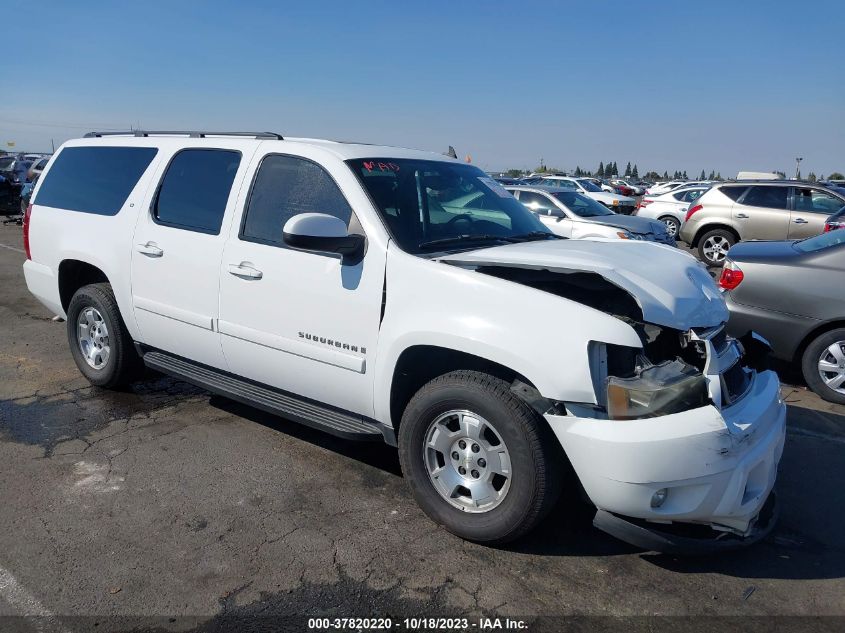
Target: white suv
pixel 393 295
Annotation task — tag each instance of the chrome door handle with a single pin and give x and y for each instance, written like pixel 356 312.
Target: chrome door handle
pixel 150 249
pixel 800 221
pixel 245 270
pixel 742 216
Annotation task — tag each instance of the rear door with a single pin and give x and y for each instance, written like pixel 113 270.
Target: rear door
pixel 177 247
pixel 810 208
pixel 762 213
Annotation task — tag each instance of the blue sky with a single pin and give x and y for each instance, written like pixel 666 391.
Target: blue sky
pixel 667 85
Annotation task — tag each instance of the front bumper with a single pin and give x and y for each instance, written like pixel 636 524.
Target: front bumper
pixel 718 466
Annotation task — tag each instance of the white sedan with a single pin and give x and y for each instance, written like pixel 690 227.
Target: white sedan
pixel 571 214
pixel 671 207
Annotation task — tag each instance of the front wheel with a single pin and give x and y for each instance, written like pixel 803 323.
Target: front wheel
pixel 714 245
pixel 672 225
pixel 823 365
pixel 479 461
pixel 99 342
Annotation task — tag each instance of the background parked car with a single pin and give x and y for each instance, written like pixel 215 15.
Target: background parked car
pixel 616 202
pixel 36 168
pixel 663 187
pixel 633 189
pixel 790 293
pixel 13 172
pixel 571 214
pixel 671 207
pixel 758 210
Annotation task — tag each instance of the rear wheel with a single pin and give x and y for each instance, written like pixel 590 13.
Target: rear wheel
pixel 99 342
pixel 672 225
pixel 479 461
pixel 714 245
pixel 823 365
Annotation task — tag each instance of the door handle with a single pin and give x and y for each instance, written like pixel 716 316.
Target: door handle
pixel 245 270
pixel 742 216
pixel 150 249
pixel 800 221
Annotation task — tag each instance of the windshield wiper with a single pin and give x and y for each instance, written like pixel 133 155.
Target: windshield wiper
pixel 457 239
pixel 535 235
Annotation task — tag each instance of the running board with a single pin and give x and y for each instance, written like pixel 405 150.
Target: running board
pixel 342 424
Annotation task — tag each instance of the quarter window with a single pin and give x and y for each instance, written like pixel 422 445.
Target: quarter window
pixel 195 189
pixel 734 193
pixel 772 197
pixel 286 186
pixel 94 179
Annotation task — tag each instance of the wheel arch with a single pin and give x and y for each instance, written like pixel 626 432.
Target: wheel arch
pixel 714 227
pixel 812 335
pixel 74 274
pixel 418 364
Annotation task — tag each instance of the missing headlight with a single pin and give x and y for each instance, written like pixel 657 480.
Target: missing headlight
pixel 669 387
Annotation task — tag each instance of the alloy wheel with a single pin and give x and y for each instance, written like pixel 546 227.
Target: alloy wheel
pixel 93 337
pixel 832 366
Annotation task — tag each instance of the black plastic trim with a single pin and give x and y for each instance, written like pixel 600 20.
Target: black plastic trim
pixel 308 412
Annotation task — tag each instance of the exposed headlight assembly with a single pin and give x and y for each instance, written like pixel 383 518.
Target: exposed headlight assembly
pixel 670 387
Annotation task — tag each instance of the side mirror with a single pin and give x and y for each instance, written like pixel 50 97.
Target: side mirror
pixel 323 233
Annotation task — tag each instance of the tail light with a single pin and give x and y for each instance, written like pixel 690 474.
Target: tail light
pixel 731 277
pixel 26 218
pixel 692 210
pixel 644 203
pixel 832 226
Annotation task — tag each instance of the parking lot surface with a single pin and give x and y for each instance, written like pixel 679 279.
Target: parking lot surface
pixel 166 502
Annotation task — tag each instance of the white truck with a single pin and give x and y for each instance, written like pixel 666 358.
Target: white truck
pixel 394 295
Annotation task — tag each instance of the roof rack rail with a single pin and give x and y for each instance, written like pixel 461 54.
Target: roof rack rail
pixel 191 134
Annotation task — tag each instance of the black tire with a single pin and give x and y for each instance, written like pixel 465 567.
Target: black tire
pixel 123 364
pixel 810 362
pixel 716 234
pixel 676 225
pixel 536 457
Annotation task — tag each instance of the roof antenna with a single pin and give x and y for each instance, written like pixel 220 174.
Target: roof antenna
pixel 451 153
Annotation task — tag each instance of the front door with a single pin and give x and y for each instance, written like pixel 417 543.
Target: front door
pixel 177 247
pixel 810 208
pixel 300 321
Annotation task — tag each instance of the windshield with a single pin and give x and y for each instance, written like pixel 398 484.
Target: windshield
pixel 436 205
pixel 589 185
pixel 581 205
pixel 821 242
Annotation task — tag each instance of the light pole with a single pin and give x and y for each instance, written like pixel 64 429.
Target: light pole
pixel 798 168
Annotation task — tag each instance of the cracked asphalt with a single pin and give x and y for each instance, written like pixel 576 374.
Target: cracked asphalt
pixel 169 508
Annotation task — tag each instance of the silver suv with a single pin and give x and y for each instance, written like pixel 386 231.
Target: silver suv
pixel 758 210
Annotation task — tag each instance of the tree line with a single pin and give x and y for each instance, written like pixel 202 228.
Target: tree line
pixel 611 170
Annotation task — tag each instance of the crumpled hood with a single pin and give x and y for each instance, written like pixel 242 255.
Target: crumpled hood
pixel 630 223
pixel 671 287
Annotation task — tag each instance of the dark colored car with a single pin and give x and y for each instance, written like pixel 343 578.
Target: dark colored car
pixel 12 177
pixel 791 294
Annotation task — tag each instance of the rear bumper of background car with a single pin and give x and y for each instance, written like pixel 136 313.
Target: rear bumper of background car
pixel 717 467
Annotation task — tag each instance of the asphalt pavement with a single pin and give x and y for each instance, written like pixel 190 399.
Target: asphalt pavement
pixel 166 507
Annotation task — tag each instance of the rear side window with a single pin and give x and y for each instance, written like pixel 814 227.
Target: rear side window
pixel 734 192
pixel 768 196
pixel 286 186
pixel 94 179
pixel 195 189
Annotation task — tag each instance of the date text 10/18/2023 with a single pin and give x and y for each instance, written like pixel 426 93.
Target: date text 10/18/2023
pixel 416 624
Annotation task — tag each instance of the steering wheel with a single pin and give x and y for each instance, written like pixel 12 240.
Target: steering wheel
pixel 466 217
